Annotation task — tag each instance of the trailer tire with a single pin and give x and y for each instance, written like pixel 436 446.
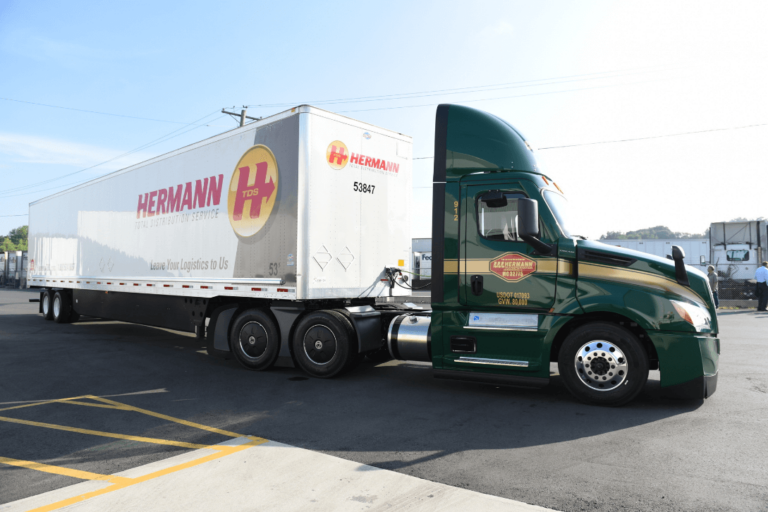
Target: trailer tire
pixel 254 340
pixel 603 364
pixel 62 307
pixel 322 344
pixel 46 304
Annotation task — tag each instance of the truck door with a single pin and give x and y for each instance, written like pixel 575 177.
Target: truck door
pixel 498 270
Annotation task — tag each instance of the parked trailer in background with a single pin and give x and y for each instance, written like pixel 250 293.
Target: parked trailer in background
pixel 280 236
pixel 3 269
pixel 736 250
pixel 696 249
pixel 13 269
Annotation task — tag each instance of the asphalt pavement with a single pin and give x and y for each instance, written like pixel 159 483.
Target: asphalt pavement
pixel 535 446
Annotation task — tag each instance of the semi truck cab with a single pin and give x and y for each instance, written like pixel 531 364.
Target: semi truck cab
pixel 516 287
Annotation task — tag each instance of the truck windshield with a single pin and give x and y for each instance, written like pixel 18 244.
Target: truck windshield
pixel 561 209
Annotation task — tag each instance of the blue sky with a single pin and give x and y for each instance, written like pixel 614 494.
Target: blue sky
pixel 563 72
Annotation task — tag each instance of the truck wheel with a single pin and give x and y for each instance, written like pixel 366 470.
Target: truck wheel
pixel 603 364
pixel 62 307
pixel 47 303
pixel 254 340
pixel 322 344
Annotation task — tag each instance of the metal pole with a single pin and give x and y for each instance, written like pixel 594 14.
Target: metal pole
pixel 242 117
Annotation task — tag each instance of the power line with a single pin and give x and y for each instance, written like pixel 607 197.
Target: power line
pixel 154 142
pixel 93 111
pixel 506 97
pixel 476 88
pixel 657 136
pixel 19 215
pixel 632 140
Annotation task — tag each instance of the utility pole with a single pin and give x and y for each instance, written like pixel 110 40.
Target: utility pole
pixel 241 115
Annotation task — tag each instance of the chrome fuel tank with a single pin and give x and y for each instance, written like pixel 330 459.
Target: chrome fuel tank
pixel 409 337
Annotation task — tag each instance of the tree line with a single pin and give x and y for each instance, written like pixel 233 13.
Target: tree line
pixel 16 240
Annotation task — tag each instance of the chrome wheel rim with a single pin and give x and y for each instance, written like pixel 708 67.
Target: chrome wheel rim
pixel 253 340
pixel 320 344
pixel 56 306
pixel 46 304
pixel 601 365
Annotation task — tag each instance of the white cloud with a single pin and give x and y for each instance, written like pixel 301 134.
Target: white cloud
pixel 38 150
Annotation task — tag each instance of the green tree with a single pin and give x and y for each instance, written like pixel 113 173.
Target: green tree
pixel 652 233
pixel 17 240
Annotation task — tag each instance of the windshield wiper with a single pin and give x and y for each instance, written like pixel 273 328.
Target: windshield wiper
pixel 581 236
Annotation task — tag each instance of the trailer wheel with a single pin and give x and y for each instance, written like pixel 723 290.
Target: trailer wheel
pixel 46 299
pixel 254 340
pixel 62 307
pixel 603 364
pixel 322 344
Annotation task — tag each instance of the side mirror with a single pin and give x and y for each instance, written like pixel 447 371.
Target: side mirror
pixel 678 255
pixel 702 260
pixel 528 225
pixel 494 199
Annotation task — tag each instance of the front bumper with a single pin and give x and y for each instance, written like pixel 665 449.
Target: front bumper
pixel 688 364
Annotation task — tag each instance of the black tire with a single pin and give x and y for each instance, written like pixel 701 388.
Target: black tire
pixel 46 299
pixel 603 364
pixel 62 307
pixel 353 357
pixel 254 340
pixel 322 344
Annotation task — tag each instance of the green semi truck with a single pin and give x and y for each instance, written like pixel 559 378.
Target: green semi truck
pixel 514 286
pixel 277 241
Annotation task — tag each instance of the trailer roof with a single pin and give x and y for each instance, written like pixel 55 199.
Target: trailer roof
pixel 300 109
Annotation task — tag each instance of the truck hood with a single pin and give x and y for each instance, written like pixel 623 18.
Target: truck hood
pixel 645 270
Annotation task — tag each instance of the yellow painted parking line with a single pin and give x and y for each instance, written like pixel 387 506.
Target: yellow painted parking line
pixel 42 402
pixel 57 470
pixel 105 434
pixel 225 450
pixel 176 420
pixel 103 406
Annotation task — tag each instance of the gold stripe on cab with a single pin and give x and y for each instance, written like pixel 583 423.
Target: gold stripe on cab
pixel 637 277
pixel 483 266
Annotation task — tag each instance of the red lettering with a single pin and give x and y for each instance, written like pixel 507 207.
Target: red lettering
pixel 174 200
pixel 161 197
pixel 396 167
pixel 368 161
pixel 214 190
pixel 355 159
pixel 142 207
pixel 338 155
pixel 151 205
pixel 201 190
pixel 187 199
pixel 256 193
pixel 375 163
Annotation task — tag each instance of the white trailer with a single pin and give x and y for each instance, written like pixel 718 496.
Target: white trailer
pixel 304 210
pixel 738 248
pixel 696 249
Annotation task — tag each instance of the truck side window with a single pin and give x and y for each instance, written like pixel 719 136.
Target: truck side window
pixel 737 255
pixel 499 223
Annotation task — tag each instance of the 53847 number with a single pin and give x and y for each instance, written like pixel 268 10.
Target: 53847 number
pixel 364 188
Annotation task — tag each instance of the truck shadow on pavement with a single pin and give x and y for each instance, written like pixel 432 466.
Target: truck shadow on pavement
pixel 393 415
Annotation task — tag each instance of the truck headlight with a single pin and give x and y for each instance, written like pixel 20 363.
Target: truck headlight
pixel 695 315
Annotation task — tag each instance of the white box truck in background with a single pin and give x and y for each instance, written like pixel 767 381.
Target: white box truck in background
pixel 304 210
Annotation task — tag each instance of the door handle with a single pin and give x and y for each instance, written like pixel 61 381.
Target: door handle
pixel 477 285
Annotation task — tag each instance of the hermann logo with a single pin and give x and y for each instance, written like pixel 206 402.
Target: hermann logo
pixel 337 155
pixel 252 191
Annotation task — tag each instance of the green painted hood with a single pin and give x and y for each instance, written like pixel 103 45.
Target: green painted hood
pixel 589 251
